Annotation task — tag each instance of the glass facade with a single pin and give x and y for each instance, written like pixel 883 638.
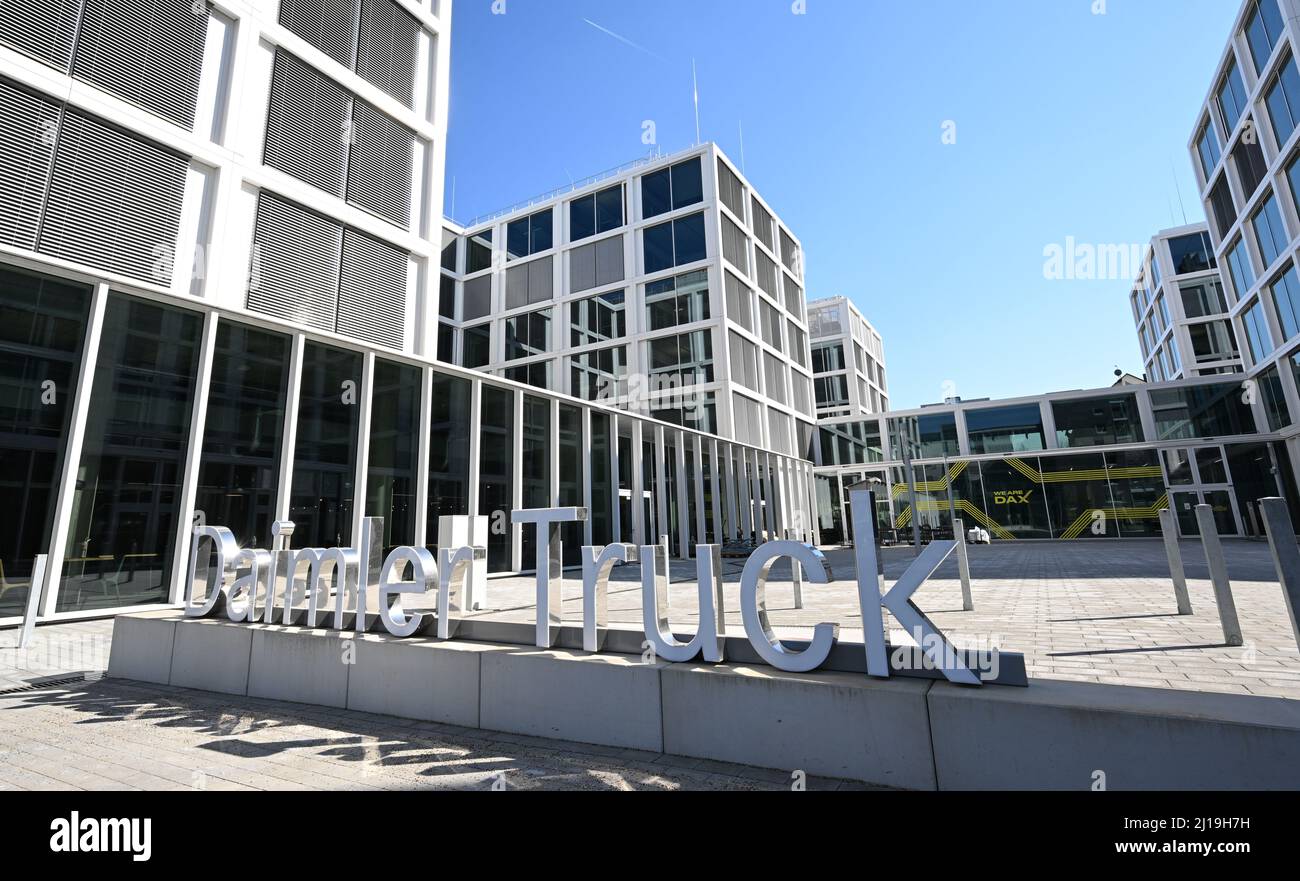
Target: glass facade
pixel 42 332
pixel 394 455
pixel 1095 422
pixel 123 524
pixel 325 454
pixel 1005 429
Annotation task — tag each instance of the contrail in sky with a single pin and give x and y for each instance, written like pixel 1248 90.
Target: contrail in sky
pixel 625 40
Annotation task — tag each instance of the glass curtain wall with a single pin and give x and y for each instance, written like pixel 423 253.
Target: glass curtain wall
pixel 573 463
pixel 394 451
pixel 42 333
pixel 496 472
pixel 449 427
pixel 244 431
pixel 123 528
pixel 325 452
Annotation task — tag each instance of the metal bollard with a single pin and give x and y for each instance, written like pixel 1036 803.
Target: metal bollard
pixel 1286 555
pixel 1219 575
pixel 1170 529
pixel 963 565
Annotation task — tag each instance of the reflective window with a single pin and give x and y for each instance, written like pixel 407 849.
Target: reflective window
pixel 676 301
pixel 851 443
pixel 1286 299
pixel 1269 231
pixel 239 475
pixel 573 461
pixel 740 302
pixel 1263 28
pixel 1203 298
pixel 682 360
pixel 1005 429
pixel 1191 253
pixel 1240 268
pixel 496 472
pixel 1201 411
pixel 1207 146
pixel 1097 422
pixel 528 335
pixel 536 471
pixel 1273 399
pixel 478 253
pixel 1231 97
pixel 1258 339
pixel 831 391
pixel 477 344
pixel 529 235
pixel 602 480
pixel 42 331
pixel 1283 100
pixel 449 436
pixel 671 188
pixel 600 212
pixel 600 375
pixel 675 243
pixel 598 319
pixel 394 453
pixel 1222 206
pixel 124 514
pixel 1213 341
pixel 925 437
pixel 325 455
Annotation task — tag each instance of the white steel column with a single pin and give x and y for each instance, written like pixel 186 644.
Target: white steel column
pixel 517 486
pixel 660 488
pixel 683 503
pixel 475 443
pixel 585 447
pixel 72 455
pixel 616 515
pixel 754 457
pixel 422 525
pixel 553 453
pixel 364 415
pixel 639 530
pixel 729 487
pixel 292 401
pixel 193 456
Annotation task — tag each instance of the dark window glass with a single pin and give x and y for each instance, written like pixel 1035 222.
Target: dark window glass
pixel 496 470
pixel 325 455
pixel 446 343
pixel 1257 336
pixel 926 437
pixel 477 343
pixel 1136 484
pixel 851 443
pixel 1097 422
pixel 1201 411
pixel 124 528
pixel 1232 98
pixel 1283 100
pixel 600 212
pixel 572 466
pixel 671 188
pixel 529 235
pixel 1203 298
pixel 1005 429
pixel 1191 253
pixel 1269 231
pixel 1213 341
pixel 42 329
pixel 240 471
pixel 602 481
pixel 609 209
pixel 688 239
pixel 598 319
pixel 479 254
pixel 1240 268
pixel 447 297
pixel 688 185
pixel 449 427
pixel 1207 145
pixel 1251 166
pixel 656 193
pixel 1263 29
pixel 1014 501
pixel 392 466
pixel 449 253
pixel 1274 399
pixel 1076 489
pixel 1225 212
pixel 659 247
pixel 1286 298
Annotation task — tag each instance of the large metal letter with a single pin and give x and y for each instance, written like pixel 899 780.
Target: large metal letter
pixel 241 601
pixel 425 578
pixel 457 571
pixel 753 607
pixel 371 550
pixel 597 564
pixel 709 636
pixel 928 637
pixel 214 579
pixel 550 566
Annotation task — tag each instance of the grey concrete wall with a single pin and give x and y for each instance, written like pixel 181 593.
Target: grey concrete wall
pixel 907 733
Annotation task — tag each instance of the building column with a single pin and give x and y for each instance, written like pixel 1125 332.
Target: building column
pixel 193 457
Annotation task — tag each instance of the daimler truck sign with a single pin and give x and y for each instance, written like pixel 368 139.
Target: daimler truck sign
pixel 293 587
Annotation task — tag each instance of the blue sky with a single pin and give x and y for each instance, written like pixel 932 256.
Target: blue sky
pixel 1067 124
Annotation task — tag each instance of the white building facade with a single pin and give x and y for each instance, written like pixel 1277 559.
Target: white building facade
pixel 848 359
pixel 667 287
pixel 1180 310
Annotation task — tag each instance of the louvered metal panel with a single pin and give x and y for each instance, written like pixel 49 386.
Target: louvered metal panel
pixel 379 165
pixel 372 290
pixel 329 25
pixel 307 126
pixel 149 53
pixel 114 201
pixel 45 34
pixel 28 125
pixel 295 263
pixel 387 43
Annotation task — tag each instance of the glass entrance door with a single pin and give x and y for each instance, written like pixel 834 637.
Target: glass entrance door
pixel 1200 476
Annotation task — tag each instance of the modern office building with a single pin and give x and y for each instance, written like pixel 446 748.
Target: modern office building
pixel 1182 319
pixel 1072 465
pixel 848 360
pixel 1245 148
pixel 219 243
pixel 667 287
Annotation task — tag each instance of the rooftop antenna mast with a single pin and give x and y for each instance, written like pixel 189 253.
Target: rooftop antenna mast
pixel 1179 189
pixel 742 148
pixel 695 81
